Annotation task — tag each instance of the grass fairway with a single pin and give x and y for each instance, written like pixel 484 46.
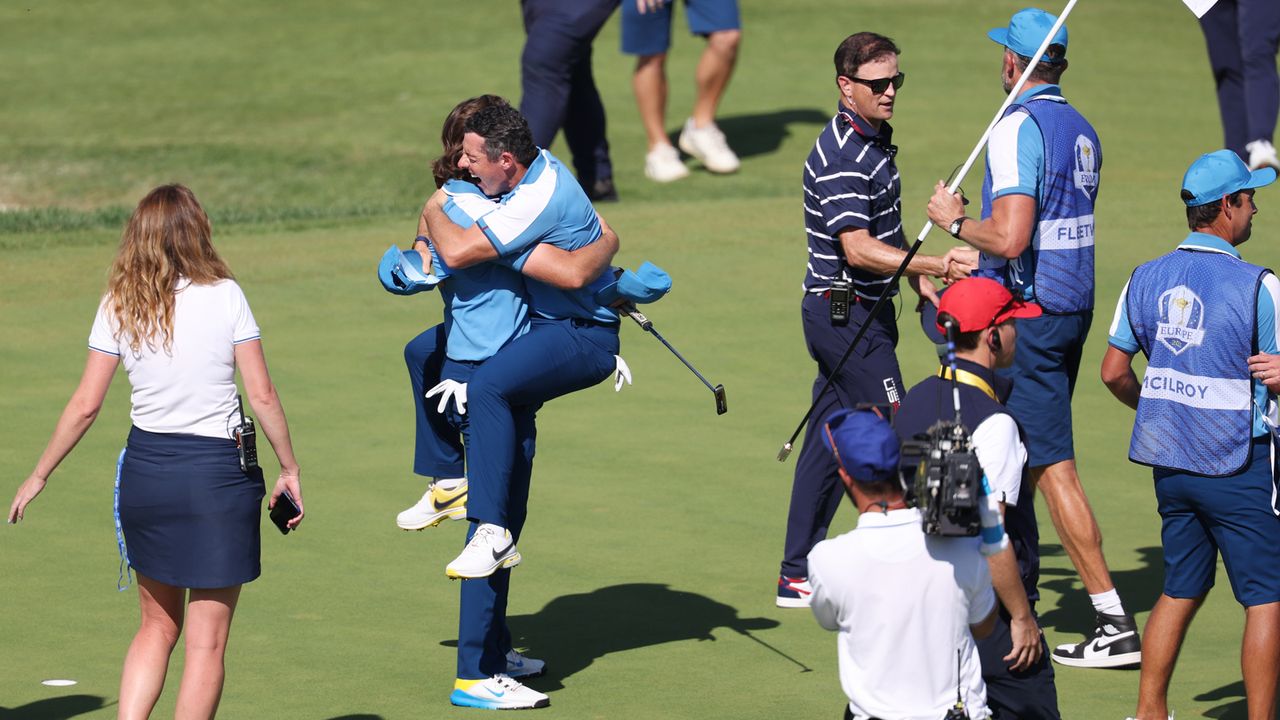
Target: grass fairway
pixel 656 526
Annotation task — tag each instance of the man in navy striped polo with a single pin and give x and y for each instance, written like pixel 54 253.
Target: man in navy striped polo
pixel 1206 321
pixel 852 215
pixel 1036 235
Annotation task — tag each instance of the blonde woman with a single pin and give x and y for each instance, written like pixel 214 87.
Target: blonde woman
pixel 179 323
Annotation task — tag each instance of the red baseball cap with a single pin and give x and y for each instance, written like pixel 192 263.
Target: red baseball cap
pixel 980 303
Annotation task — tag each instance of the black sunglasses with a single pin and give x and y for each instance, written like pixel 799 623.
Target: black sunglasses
pixel 879 85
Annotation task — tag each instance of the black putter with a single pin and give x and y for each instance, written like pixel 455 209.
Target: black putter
pixel 722 405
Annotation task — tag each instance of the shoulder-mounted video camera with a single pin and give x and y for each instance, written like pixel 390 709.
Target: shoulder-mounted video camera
pixel 948 480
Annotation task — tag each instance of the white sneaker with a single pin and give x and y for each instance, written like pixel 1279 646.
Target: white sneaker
pixel 663 165
pixel 709 147
pixel 499 692
pixel 519 666
pixel 490 548
pixel 436 505
pixel 1262 154
pixel 794 592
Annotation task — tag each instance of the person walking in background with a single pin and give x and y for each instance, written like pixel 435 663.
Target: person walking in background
pixel 1243 37
pixel 557 87
pixel 646 32
pixel 1036 236
pixel 178 322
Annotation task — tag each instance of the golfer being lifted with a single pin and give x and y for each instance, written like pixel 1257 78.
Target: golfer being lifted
pixel 1036 235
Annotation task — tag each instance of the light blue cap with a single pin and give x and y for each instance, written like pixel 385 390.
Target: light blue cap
pixel 1027 29
pixel 647 284
pixel 1220 173
pixel 402 272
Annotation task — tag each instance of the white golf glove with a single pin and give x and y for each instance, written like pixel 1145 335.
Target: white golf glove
pixel 447 389
pixel 622 374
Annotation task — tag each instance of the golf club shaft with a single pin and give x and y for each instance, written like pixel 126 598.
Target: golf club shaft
pixel 677 354
pixel 862 330
pixel 1013 95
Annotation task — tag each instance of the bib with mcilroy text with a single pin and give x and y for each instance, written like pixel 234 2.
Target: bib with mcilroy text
pixel 1194 314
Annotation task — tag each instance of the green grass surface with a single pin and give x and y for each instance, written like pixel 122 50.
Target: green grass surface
pixel 656 526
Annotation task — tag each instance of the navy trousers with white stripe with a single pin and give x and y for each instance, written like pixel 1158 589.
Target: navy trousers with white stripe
pixel 870 376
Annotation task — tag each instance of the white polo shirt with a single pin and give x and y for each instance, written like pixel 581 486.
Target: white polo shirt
pixel 191 388
pixel 902 603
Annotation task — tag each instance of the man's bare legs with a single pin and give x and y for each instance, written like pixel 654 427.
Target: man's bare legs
pixel 1161 642
pixel 649 82
pixel 1073 518
pixel 1260 659
pixel 715 67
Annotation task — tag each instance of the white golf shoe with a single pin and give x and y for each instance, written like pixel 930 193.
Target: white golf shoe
pixel 1262 154
pixel 490 548
pixel 708 145
pixel 499 692
pixel 663 165
pixel 437 505
pixel 521 667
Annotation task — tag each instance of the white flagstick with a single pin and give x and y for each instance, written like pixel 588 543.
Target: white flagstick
pixel 1013 94
pixel 1199 7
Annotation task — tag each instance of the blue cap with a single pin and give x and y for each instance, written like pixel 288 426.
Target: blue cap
pixel 401 272
pixel 863 443
pixel 1027 29
pixel 1220 173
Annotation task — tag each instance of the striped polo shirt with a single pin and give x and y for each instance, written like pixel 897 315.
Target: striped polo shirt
pixel 850 183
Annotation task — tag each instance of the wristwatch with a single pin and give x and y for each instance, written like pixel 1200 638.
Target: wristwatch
pixel 954 228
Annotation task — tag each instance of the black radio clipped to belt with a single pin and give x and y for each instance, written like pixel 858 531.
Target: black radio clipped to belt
pixel 840 294
pixel 246 440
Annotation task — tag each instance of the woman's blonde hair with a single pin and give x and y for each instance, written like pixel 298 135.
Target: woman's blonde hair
pixel 167 238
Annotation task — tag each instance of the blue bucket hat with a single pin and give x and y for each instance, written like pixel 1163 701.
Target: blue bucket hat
pixel 1027 29
pixel 863 443
pixel 1220 173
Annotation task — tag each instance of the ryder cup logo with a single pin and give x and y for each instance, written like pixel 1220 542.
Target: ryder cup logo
pixel 1086 169
pixel 1182 319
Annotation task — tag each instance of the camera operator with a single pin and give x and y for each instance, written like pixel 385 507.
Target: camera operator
pixel 1015 665
pixel 903 602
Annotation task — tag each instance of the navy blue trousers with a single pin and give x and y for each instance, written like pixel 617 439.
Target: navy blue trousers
pixel 557 87
pixel 1029 694
pixel 1243 37
pixel 554 358
pixel 870 376
pixel 437 450
pixel 483 635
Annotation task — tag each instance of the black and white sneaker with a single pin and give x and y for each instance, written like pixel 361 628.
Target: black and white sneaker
pixel 1115 643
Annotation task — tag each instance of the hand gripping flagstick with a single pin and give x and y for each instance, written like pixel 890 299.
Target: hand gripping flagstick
pixel 928 225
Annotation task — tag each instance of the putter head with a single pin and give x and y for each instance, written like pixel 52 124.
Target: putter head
pixel 722 405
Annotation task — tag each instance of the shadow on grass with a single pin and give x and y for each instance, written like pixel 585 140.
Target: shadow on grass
pixel 1237 709
pixel 360 716
pixel 572 631
pixel 763 133
pixel 1073 615
pixel 58 708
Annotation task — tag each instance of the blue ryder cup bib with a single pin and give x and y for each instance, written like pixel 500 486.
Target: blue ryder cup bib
pixel 1194 314
pixel 1056 269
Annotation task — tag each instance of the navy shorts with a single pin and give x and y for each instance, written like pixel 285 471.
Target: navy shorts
pixel 650 33
pixel 190 516
pixel 1044 377
pixel 1234 515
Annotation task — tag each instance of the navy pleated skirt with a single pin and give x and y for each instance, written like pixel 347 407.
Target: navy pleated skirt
pixel 190 516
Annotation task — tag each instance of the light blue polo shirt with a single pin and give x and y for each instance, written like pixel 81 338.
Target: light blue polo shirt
pixel 1015 151
pixel 485 305
pixel 1122 338
pixel 548 205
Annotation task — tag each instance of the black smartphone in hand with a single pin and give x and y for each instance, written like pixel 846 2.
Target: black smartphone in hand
pixel 284 511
